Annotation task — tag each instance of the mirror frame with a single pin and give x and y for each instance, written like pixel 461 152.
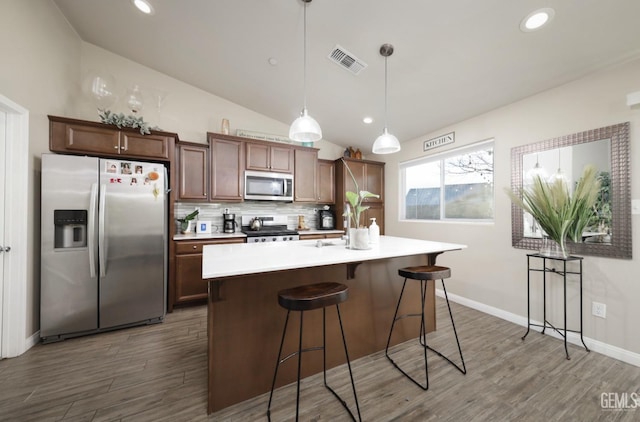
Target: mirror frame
pixel 620 246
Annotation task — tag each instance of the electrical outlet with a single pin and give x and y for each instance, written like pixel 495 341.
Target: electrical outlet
pixel 599 309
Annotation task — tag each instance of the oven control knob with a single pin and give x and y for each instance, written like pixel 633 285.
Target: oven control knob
pixel 256 240
pixel 274 239
pixel 290 238
pixel 284 238
pixel 263 239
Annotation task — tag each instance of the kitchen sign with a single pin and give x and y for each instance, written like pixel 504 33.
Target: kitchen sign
pixel 448 138
pixel 264 136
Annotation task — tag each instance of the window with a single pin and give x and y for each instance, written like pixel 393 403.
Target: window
pixel 456 185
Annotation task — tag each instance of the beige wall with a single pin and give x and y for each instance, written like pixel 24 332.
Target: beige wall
pixel 491 271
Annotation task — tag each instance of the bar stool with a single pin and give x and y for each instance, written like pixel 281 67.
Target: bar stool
pixel 307 298
pixel 424 274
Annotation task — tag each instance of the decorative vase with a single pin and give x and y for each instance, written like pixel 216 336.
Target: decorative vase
pixel 359 238
pixel 189 228
pixel 224 128
pixel 553 249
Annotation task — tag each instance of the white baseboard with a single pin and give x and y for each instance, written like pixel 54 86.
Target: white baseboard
pixel 32 341
pixel 573 338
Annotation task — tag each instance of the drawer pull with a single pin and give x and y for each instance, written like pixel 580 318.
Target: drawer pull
pixel 195 247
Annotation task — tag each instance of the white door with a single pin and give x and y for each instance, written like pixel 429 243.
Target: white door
pixel 14 157
pixel 3 154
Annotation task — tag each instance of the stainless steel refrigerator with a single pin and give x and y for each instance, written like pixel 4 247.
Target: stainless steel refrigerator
pixel 103 245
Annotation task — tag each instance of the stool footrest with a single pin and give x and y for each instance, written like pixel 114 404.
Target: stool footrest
pixel 296 353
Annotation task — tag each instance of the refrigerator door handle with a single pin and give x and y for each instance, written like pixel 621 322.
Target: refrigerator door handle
pixel 102 244
pixel 93 201
pixel 167 189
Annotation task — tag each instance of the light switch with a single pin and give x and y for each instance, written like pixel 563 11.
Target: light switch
pixel 635 206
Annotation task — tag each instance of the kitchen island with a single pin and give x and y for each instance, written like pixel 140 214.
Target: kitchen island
pixel 245 321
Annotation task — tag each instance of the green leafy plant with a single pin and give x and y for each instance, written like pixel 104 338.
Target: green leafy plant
pixel 561 214
pixel 602 215
pixel 355 200
pixel 120 121
pixel 184 222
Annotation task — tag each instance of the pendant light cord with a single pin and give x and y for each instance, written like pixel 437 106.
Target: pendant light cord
pixel 304 60
pixel 385 93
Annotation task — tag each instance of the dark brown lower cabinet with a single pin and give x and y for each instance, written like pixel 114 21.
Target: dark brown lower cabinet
pixel 189 285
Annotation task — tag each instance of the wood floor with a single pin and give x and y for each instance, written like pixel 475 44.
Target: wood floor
pixel 158 373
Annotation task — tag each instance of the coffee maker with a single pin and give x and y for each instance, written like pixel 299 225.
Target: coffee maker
pixel 228 223
pixel 326 220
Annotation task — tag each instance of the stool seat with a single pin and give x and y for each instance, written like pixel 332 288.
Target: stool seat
pixel 425 272
pixel 312 296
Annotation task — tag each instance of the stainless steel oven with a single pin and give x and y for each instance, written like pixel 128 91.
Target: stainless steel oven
pixel 267 186
pixel 272 229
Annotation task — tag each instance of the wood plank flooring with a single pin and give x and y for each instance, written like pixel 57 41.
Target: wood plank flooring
pixel 158 373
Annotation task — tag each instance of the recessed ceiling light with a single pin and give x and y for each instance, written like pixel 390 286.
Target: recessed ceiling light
pixel 273 61
pixel 537 19
pixel 144 6
pixel 368 120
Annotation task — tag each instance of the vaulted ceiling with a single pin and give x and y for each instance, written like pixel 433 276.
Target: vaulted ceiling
pixel 453 59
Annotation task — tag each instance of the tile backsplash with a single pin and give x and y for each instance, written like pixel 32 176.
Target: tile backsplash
pixel 213 211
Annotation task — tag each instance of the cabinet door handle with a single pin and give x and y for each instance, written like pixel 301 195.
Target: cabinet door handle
pixel 116 147
pixel 195 247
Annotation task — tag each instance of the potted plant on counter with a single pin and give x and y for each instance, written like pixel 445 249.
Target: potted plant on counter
pixel 358 233
pixel 186 222
pixel 560 213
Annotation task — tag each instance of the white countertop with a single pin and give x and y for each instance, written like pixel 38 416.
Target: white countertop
pixel 205 236
pixel 253 258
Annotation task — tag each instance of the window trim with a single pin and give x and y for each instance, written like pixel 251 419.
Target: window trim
pixel 441 156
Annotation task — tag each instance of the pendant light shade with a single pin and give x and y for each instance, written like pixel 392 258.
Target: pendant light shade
pixel 386 143
pixel 305 128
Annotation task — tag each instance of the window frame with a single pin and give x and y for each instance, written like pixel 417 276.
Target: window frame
pixel 441 157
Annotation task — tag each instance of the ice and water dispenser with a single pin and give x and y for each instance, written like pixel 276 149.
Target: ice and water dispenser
pixel 70 228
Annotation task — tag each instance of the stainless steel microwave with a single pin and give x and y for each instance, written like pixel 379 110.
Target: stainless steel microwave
pixel 267 186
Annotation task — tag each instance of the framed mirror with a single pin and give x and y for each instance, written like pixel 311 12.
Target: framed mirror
pixel 608 149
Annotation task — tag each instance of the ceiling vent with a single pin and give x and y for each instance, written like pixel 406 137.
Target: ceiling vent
pixel 344 59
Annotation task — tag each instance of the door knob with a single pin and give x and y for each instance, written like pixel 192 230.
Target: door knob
pixel 7 248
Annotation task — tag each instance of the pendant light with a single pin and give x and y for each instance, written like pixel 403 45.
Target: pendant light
pixel 305 128
pixel 386 143
pixel 536 172
pixel 559 174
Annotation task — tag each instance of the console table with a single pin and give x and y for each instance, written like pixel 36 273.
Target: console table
pixel 550 265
